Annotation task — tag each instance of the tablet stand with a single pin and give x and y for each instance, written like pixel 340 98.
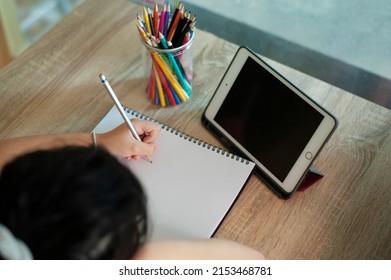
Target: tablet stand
pixel 313 175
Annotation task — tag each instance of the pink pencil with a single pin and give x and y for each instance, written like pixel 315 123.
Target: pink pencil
pixel 162 19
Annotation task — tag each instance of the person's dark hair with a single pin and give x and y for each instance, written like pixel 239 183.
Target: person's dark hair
pixel 73 203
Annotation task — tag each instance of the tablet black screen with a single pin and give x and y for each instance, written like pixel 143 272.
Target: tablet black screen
pixel 272 122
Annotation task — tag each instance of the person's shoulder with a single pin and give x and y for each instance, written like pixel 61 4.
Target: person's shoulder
pixel 211 249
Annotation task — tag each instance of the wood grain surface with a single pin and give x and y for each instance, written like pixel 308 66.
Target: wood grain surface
pixel 53 87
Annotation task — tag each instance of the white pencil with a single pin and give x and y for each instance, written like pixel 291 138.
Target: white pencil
pixel 121 110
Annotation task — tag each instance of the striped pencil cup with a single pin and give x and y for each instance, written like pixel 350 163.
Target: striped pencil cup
pixel 169 70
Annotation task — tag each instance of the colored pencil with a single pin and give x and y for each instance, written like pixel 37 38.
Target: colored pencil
pixel 176 97
pixel 146 20
pixel 141 23
pixel 156 19
pixel 174 21
pixel 150 19
pixel 180 91
pixel 165 84
pixel 162 19
pixel 166 18
pixel 175 65
pixel 159 87
pixel 179 40
pixel 169 82
pixel 177 59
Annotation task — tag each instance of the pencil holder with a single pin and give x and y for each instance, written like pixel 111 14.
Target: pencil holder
pixel 169 70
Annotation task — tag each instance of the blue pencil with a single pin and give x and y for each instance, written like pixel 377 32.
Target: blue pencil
pixel 176 97
pixel 167 18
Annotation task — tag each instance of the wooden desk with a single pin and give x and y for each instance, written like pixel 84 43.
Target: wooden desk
pixel 53 87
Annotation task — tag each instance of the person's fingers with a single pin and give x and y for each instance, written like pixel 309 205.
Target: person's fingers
pixel 149 130
pixel 143 149
pixel 120 141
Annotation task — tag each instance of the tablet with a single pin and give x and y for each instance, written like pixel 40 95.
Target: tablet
pixel 263 117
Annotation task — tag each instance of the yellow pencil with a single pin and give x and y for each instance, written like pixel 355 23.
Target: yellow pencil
pixel 143 34
pixel 159 86
pixel 146 21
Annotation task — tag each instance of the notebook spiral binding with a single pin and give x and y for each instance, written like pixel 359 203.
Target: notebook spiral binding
pixel 186 136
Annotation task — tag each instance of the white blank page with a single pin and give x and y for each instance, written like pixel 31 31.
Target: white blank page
pixel 190 186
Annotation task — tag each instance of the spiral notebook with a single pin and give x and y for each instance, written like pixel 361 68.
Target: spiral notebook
pixel 190 185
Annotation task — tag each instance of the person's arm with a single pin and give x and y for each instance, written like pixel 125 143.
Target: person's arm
pixel 118 141
pixel 211 249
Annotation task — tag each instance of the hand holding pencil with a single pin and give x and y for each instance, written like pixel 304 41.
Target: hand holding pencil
pixel 121 143
pixel 141 137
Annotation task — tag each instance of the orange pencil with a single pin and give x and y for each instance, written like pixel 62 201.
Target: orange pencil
pixel 182 21
pixel 174 21
pixel 156 19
